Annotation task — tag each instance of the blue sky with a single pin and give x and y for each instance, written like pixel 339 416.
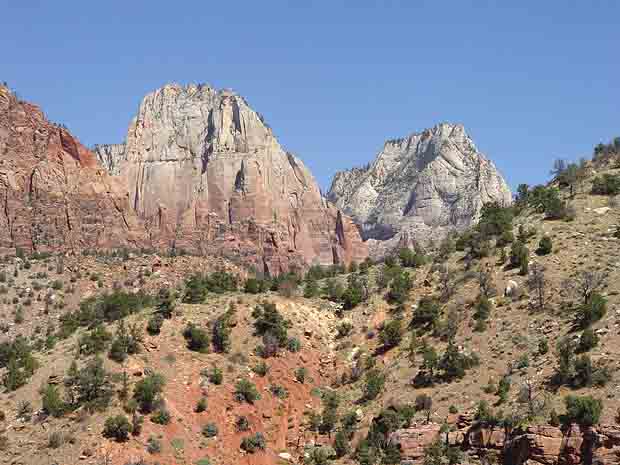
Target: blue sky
pixel 531 81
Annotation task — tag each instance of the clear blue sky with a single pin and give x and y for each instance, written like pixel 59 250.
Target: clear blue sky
pixel 530 80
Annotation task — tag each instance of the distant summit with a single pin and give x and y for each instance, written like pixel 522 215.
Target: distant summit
pixel 421 186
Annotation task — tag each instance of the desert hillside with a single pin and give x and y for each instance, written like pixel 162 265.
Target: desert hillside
pixel 497 345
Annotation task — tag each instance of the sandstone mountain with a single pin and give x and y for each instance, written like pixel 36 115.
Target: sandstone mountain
pixel 54 194
pixel 205 171
pixel 420 186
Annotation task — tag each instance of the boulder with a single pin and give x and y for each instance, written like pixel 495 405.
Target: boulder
pixel 511 288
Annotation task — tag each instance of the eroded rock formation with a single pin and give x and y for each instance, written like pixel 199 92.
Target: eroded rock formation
pixel 53 193
pixel 420 187
pixel 205 171
pixel 537 444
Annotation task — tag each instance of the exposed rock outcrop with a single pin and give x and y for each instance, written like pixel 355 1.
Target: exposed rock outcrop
pixel 53 193
pixel 110 156
pixel 537 444
pixel 205 171
pixel 420 187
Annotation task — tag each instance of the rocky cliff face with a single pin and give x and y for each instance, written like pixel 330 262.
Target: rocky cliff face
pixel 54 194
pixel 420 187
pixel 205 171
pixel 537 444
pixel 110 156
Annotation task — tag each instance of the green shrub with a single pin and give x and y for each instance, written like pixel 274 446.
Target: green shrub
pixel 522 362
pixel 197 339
pixel 483 311
pixel 136 424
pixel 19 315
pixel 56 439
pixel 399 288
pixel 147 392
pixel 201 405
pixel 153 445
pixel 311 289
pixel 592 311
pixel 52 402
pixel 117 427
pixel 195 290
pixel 111 307
pixel 89 386
pixel 544 246
pixel 344 329
pixel 411 259
pixel 209 430
pixel 583 410
pixel 391 334
pixel 126 342
pixel 20 364
pixel 333 290
pixel 215 376
pixel 253 443
pixel 375 380
pixel 198 285
pixel 484 414
pixel 94 341
pixel 300 374
pixel 342 445
pixel 495 220
pixel 245 391
pixel 293 344
pixel 161 416
pixel 607 184
pixel 439 453
pixel 154 324
pixel 222 330
pixel 518 254
pixel 261 369
pixel 543 346
pixel 255 286
pixel 242 424
pixel 272 326
pixel 503 389
pixel 165 303
pixel 425 317
pixel 278 391
pixel 454 364
pixel 587 341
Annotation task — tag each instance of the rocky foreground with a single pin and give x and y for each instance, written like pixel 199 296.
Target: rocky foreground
pixel 538 444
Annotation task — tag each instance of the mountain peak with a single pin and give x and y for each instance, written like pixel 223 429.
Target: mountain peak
pixel 426 184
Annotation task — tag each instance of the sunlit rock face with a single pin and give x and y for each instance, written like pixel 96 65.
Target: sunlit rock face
pixel 203 169
pixel 420 187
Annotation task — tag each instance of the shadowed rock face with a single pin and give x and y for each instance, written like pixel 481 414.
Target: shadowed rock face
pixel 54 194
pixel 201 166
pixel 420 187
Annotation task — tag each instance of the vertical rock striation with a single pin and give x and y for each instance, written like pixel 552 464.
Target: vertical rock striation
pixel 204 171
pixel 110 156
pixel 53 193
